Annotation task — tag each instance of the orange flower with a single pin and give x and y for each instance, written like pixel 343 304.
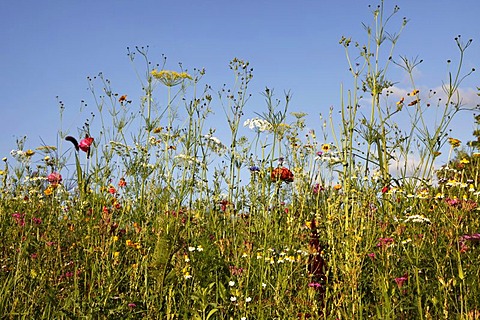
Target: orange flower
pixel 111 189
pixel 123 98
pixel 414 102
pixel 281 174
pixel 454 142
pixel 122 182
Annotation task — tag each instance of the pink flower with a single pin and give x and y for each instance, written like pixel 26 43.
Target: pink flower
pixel 19 218
pixel 384 242
pixel 401 280
pixel 371 255
pixel 85 144
pixel 54 178
pixel 315 285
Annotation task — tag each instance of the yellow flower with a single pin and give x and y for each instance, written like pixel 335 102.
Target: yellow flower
pixel 325 147
pixel 337 187
pixel 29 153
pixel 2 172
pixel 454 142
pixel 48 191
pixel 116 254
pixel 464 161
pixel 128 242
pixel 170 78
pixel 414 92
pixel 115 238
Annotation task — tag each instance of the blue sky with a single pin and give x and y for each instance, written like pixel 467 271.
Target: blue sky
pixel 50 47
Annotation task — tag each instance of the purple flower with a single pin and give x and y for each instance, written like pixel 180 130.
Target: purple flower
pixel 317 188
pixel 254 169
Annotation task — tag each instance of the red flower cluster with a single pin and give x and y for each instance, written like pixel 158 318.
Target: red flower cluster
pixel 281 174
pixel 54 178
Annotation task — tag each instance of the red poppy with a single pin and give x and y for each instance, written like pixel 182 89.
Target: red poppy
pixel 281 174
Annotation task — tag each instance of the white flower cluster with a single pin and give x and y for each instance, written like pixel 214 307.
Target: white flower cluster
pixel 258 124
pixel 417 219
pixel 330 158
pixel 215 143
pixel 187 160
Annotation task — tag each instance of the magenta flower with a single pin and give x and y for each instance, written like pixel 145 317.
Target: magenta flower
pixel 471 237
pixel 371 255
pixel 85 144
pixel 315 285
pixel 384 242
pixel 19 218
pixel 37 220
pixel 401 280
pixel 317 188
pixel 453 201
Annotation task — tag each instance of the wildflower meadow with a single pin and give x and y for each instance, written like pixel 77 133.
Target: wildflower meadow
pixel 150 211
